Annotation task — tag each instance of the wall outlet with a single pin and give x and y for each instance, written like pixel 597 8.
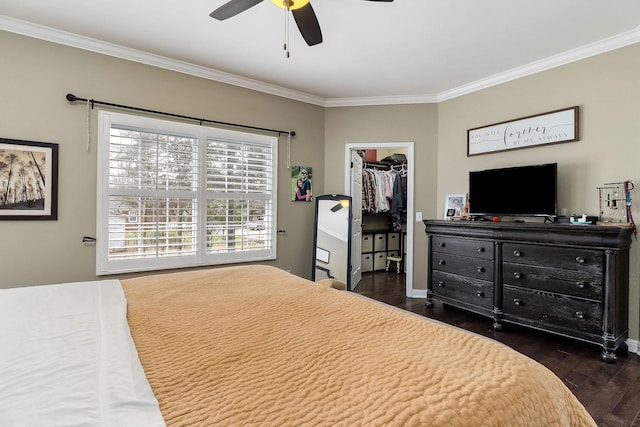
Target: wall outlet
pixel 418 216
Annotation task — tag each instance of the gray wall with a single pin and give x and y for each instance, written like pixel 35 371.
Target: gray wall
pixel 607 90
pixel 417 123
pixel 36 76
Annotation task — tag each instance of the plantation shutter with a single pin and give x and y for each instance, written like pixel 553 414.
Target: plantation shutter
pixel 175 195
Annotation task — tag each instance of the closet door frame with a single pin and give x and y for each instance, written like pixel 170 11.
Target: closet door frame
pixel 408 146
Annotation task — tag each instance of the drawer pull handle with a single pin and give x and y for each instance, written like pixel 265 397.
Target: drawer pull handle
pixel 480 249
pixel 517 253
pixel 581 284
pixel 517 275
pixel 517 301
pixel 480 269
pixel 441 284
pixel 580 260
pixel 579 315
pixel 480 294
pixel 442 244
pixel 441 262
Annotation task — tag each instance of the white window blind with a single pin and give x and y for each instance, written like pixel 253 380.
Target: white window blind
pixel 175 195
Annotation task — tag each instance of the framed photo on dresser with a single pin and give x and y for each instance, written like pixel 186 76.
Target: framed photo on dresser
pixel 454 205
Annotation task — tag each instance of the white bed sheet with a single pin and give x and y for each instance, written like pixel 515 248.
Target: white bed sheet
pixel 67 359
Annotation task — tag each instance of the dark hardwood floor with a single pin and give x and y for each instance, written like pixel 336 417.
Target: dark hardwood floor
pixel 610 392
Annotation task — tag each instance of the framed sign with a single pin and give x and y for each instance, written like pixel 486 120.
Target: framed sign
pixel 547 128
pixel 28 180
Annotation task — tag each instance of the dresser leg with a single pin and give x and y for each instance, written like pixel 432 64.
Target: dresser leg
pixel 609 356
pixel 429 303
pixel 497 319
pixel 622 348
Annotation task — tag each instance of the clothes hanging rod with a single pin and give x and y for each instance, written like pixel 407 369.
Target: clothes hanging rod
pixel 72 98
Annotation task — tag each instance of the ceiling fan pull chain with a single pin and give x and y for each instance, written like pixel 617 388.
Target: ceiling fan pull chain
pixel 286 31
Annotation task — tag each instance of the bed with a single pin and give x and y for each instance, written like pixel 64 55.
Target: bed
pixel 255 345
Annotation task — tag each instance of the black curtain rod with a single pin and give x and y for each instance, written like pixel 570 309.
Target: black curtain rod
pixel 72 98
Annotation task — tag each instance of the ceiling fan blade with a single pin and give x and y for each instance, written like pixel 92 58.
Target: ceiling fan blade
pixel 308 24
pixel 233 8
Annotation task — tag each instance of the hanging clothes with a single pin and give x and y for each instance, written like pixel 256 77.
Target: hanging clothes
pixel 375 188
pixel 398 210
pixel 383 190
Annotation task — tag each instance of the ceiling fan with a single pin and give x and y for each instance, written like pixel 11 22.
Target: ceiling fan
pixel 302 11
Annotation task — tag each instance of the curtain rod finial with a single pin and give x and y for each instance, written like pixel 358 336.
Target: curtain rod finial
pixel 292 132
pixel 71 97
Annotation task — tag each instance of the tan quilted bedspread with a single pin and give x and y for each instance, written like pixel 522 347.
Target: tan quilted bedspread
pixel 258 346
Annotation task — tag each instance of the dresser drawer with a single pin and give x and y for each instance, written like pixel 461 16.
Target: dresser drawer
pixel 584 260
pixel 473 267
pixel 552 309
pixel 464 289
pixel 571 282
pixel 465 247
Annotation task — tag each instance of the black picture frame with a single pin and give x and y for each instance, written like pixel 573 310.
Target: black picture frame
pixel 28 180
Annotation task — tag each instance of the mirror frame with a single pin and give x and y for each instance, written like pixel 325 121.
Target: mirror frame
pixel 336 198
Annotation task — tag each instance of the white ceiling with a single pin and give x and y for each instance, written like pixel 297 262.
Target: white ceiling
pixel 372 53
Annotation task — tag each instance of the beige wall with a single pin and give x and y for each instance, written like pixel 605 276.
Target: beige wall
pixel 607 90
pixel 415 123
pixel 36 76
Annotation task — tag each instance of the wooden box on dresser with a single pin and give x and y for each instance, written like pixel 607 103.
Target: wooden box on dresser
pixel 571 280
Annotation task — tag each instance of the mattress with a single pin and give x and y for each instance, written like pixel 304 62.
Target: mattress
pixel 67 359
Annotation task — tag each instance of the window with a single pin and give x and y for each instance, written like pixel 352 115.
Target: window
pixel 177 195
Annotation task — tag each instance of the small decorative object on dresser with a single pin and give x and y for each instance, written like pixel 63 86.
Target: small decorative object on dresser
pixel 454 205
pixel 570 281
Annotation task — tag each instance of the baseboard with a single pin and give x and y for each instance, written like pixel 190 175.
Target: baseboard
pixel 418 293
pixel 634 346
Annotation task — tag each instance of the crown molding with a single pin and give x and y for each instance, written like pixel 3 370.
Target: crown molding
pixel 61 37
pixel 69 39
pixel 587 51
pixel 381 100
pixel 593 49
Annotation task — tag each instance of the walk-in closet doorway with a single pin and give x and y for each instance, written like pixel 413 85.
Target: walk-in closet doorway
pixel 351 180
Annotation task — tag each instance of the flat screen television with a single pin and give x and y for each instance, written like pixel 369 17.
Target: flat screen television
pixel 514 191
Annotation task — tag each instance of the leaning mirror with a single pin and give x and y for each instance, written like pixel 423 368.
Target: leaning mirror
pixel 332 242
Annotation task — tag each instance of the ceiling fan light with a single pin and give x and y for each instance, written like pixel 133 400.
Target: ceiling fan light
pixel 290 4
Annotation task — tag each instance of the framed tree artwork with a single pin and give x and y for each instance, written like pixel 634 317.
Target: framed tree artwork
pixel 28 180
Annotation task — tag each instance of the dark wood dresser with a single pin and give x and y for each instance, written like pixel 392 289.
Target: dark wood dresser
pixel 571 280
